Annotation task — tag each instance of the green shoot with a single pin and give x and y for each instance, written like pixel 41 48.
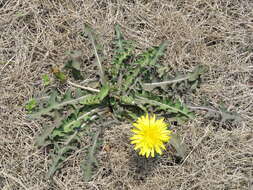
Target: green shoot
pixel 31 105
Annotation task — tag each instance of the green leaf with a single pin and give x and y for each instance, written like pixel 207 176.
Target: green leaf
pixel 46 80
pixel 199 70
pixel 159 52
pixel 222 114
pixel 55 104
pixel 96 99
pixel 72 123
pixel 89 163
pixel 164 104
pixel 59 158
pixel 59 74
pixel 151 56
pixel 90 100
pixel 119 38
pixel 103 92
pixel 177 143
pixel 130 79
pixel 190 79
pixel 123 53
pixel 41 140
pixel 31 105
pixel 128 100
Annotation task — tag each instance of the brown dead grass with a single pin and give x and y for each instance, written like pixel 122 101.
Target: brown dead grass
pixel 37 34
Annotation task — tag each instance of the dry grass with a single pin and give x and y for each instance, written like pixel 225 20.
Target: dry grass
pixel 37 34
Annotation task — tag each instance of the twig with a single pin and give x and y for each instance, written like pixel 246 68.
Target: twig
pixel 9 61
pixel 82 87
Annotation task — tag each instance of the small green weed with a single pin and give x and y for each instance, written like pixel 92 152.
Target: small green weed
pixel 46 80
pixel 31 105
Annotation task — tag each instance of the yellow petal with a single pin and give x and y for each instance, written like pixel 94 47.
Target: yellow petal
pixel 152 152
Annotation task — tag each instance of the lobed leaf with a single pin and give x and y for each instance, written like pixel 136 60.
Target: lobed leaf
pixel 191 79
pixel 151 56
pixel 164 104
pixel 55 104
pixel 58 159
pixel 124 51
pixel 96 99
pixel 87 165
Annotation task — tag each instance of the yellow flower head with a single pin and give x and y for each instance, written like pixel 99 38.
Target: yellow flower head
pixel 150 135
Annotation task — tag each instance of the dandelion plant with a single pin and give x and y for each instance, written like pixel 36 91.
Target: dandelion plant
pixel 126 91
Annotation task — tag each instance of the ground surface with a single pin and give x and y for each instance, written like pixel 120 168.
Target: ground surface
pixel 37 34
